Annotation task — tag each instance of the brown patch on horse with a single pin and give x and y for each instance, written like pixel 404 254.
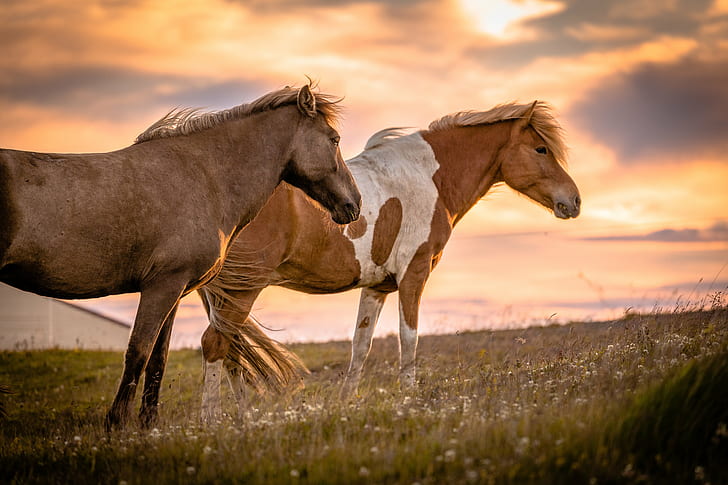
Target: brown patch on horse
pixel 458 150
pixel 357 229
pixel 422 264
pixel 386 229
pixel 364 322
pixel 316 256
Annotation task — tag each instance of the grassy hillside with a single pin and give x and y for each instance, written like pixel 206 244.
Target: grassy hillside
pixel 640 400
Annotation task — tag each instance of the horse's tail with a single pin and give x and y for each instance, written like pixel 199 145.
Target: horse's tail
pixel 263 362
pixel 385 135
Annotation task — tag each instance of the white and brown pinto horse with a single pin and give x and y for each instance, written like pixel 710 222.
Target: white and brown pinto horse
pixel 415 188
pixel 159 216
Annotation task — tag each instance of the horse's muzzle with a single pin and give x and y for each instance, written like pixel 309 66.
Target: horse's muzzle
pixel 349 212
pixel 567 209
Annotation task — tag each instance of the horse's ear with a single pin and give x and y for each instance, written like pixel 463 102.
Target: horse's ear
pixel 529 114
pixel 307 101
pixel 523 121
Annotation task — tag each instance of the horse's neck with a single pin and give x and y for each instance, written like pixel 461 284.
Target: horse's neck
pixel 245 161
pixel 468 168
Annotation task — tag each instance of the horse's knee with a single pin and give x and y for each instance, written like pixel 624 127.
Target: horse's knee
pixel 214 345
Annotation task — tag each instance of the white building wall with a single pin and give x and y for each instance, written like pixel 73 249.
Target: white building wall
pixel 29 321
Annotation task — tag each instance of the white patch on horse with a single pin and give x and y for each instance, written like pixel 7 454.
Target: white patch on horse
pixel 211 401
pixel 399 168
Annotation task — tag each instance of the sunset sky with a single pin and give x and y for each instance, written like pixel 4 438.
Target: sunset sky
pixel 641 87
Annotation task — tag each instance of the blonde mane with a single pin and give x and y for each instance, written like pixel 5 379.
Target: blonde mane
pixel 542 121
pixel 184 121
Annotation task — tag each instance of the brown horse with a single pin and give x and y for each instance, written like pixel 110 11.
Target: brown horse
pixel 159 216
pixel 415 189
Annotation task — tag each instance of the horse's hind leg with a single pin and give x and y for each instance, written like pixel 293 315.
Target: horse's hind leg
pixel 237 385
pixel 370 305
pixel 214 349
pixel 155 371
pixel 155 304
pixel 227 311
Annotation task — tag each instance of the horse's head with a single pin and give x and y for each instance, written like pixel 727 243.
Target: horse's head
pixel 316 165
pixel 529 165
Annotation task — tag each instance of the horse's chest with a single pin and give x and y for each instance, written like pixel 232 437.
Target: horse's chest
pixel 398 224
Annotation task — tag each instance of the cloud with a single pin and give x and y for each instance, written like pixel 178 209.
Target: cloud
pixel 595 33
pixel 718 232
pixel 109 92
pixel 672 110
pixel 276 5
pixel 587 26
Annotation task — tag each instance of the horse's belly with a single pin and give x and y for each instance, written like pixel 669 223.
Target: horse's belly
pixel 371 274
pixel 318 279
pixel 72 283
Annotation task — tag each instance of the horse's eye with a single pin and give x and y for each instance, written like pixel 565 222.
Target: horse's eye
pixel 335 140
pixel 541 150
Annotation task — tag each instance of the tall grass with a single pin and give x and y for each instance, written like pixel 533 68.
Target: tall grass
pixel 639 400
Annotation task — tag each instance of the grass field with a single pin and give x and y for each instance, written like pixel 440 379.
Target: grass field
pixel 639 400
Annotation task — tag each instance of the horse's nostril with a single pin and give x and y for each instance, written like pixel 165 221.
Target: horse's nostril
pixel 561 207
pixel 577 201
pixel 352 210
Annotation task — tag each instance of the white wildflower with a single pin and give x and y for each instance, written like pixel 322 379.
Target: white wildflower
pixel 450 455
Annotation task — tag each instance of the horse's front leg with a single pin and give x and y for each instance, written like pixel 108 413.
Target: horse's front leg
pixel 155 305
pixel 370 305
pixel 155 371
pixel 410 291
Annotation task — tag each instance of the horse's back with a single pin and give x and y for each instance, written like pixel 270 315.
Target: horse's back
pixel 39 250
pixel 88 225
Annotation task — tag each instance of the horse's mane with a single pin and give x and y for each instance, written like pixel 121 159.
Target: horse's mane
pixel 543 122
pixel 184 121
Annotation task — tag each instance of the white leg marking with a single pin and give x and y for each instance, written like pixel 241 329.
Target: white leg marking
pixel 211 404
pixel 407 351
pixel 235 379
pixel 370 305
